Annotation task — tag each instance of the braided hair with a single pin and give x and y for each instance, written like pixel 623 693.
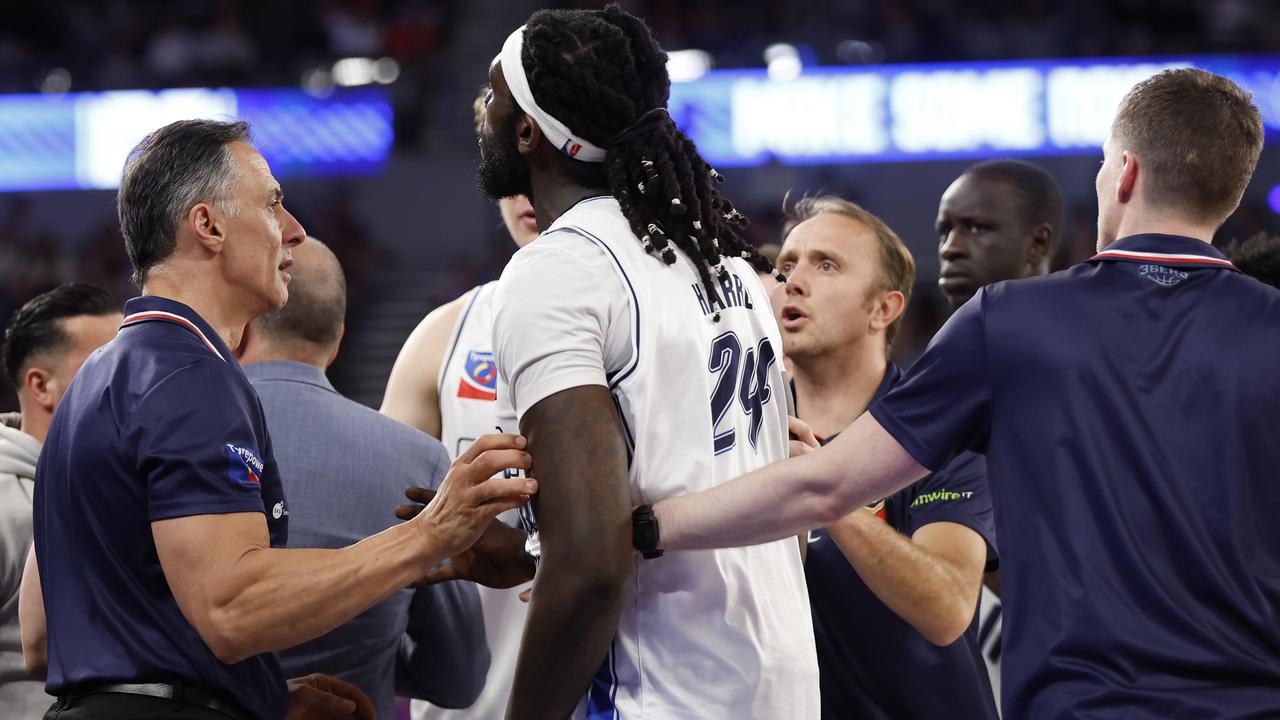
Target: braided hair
pixel 602 73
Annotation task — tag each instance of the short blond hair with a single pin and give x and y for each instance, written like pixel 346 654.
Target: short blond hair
pixel 897 266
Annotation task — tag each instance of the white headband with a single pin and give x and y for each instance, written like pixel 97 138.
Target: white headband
pixel 562 137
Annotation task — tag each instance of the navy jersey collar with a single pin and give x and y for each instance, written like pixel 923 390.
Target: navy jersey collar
pixel 1157 249
pixel 151 308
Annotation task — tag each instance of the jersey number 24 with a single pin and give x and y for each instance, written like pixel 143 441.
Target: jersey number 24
pixel 744 377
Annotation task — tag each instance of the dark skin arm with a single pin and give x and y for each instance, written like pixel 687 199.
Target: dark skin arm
pixel 584 519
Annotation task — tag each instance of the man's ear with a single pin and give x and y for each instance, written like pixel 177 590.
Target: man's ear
pixel 208 225
pixel 528 136
pixel 1039 247
pixel 41 386
pixel 1128 177
pixel 888 308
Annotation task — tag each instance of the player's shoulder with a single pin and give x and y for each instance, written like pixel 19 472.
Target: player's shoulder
pixel 564 256
pixel 587 227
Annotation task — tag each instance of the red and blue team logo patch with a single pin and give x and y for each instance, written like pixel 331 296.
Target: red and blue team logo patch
pixel 243 467
pixel 479 378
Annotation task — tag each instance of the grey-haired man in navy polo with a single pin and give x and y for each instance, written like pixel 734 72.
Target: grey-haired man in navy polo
pixel 1127 410
pixel 159 513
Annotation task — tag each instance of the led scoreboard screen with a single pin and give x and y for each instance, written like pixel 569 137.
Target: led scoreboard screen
pixel 80 140
pixel 738 118
pixel 930 112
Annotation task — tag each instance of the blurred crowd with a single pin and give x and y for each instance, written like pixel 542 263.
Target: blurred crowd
pixel 117 45
pixel 102 45
pixel 873 31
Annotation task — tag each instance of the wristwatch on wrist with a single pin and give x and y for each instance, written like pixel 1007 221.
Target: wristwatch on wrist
pixel 644 532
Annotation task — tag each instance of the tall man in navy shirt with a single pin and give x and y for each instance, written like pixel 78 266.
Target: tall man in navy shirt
pixel 159 514
pixel 1129 434
pixel 894 587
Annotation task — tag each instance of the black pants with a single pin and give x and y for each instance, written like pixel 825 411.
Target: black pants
pixel 119 706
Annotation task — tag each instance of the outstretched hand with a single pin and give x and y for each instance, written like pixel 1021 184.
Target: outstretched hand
pixel 322 697
pixel 496 560
pixel 472 493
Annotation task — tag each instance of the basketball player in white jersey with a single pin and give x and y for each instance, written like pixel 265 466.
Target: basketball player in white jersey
pixel 443 383
pixel 642 362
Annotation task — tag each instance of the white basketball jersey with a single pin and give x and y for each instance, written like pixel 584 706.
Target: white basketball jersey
pixel 467 411
pixel 708 634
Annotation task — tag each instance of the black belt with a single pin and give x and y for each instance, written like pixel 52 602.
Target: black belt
pixel 184 694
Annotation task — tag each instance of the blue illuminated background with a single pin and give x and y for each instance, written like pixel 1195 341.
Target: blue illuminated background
pixel 952 111
pixel 80 140
pixel 738 118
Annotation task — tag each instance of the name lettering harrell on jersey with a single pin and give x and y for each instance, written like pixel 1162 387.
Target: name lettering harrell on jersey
pixel 732 291
pixel 940 496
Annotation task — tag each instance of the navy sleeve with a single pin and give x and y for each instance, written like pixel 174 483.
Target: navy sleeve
pixel 942 405
pixel 198 448
pixel 957 493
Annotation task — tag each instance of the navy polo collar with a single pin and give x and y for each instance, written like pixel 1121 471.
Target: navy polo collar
pixel 151 308
pixel 1157 249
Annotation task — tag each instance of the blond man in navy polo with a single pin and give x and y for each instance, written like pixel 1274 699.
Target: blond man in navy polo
pixel 159 513
pixel 1127 410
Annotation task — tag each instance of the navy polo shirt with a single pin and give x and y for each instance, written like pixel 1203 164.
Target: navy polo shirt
pixel 874 665
pixel 1128 410
pixel 159 423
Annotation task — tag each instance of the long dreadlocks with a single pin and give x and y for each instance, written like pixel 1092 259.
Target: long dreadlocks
pixel 602 73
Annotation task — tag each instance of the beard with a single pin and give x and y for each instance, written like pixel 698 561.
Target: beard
pixel 502 171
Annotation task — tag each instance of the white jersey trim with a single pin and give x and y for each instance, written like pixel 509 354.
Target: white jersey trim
pixel 453 340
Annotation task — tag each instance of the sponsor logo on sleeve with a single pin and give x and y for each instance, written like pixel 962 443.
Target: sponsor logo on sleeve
pixel 479 377
pixel 244 466
pixel 940 496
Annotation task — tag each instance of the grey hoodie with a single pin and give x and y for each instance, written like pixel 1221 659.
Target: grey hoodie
pixel 21 696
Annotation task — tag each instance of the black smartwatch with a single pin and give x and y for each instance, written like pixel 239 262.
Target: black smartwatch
pixel 644 532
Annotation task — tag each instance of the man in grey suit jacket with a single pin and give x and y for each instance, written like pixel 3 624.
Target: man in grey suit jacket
pixel 345 468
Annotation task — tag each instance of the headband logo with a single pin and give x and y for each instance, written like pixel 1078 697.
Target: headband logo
pixel 571 148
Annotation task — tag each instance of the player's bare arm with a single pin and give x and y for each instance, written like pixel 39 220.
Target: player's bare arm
pixel 412 395
pixel 245 598
pixel 931 580
pixel 584 521
pixel 31 619
pixel 862 464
